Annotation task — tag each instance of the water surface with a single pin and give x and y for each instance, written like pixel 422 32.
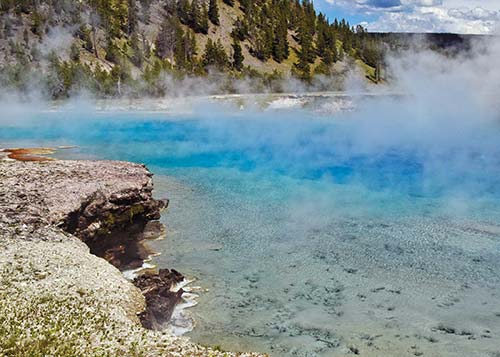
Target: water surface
pixel 317 234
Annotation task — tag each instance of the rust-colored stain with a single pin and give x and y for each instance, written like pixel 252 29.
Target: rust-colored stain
pixel 30 154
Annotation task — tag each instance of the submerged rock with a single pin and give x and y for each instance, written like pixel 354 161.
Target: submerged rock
pixel 161 297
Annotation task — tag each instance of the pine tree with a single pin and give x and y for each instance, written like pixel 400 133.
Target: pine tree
pixel 263 45
pixel 184 11
pixel 112 51
pixel 215 55
pixel 222 60
pixel 245 4
pixel 240 29
pixel 347 42
pixel 237 55
pixel 133 17
pixel 306 39
pixel 198 18
pixel 195 16
pixel 280 41
pixel 209 54
pixel 190 49
pixel 137 57
pixel 203 26
pixel 303 68
pixel 213 12
pixel 180 48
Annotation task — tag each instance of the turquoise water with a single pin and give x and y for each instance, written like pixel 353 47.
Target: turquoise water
pixel 316 234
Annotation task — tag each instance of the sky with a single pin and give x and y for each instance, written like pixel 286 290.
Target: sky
pixel 456 16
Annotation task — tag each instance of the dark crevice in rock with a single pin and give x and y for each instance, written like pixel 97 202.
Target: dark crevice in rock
pixel 115 227
pixel 161 299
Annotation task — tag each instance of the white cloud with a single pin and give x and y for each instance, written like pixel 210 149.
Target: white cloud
pixel 477 13
pixel 434 19
pixel 458 16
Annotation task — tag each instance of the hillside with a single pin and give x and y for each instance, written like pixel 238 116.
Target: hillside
pixel 142 47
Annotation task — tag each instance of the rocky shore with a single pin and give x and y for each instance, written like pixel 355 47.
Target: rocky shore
pixel 65 229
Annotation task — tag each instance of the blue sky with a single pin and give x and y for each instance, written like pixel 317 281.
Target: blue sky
pixel 458 16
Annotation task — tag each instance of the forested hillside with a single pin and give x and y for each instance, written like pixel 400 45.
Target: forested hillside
pixel 137 47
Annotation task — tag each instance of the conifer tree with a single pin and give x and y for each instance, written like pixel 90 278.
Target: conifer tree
pixel 280 42
pixel 306 41
pixel 190 49
pixel 180 48
pixel 203 26
pixel 263 44
pixel 213 12
pixel 137 57
pixel 184 11
pixel 237 55
pixel 112 51
pixel 209 54
pixel 347 43
pixel 240 29
pixel 195 15
pixel 215 55
pixel 245 4
pixel 133 17
pixel 303 68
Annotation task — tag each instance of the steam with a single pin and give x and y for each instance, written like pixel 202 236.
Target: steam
pixel 438 138
pixel 58 40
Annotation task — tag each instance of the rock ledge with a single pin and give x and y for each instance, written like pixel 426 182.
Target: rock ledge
pixel 49 212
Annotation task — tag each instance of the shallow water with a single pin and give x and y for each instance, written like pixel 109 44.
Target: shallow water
pixel 317 234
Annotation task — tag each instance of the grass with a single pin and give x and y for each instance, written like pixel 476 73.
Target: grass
pixel 368 70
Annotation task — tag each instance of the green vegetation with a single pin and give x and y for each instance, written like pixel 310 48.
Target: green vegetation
pixel 119 48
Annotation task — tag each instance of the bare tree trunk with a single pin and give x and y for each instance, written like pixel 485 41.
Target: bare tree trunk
pixel 94 41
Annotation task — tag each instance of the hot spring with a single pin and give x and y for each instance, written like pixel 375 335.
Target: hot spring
pixel 311 232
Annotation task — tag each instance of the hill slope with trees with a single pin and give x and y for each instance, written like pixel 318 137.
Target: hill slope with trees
pixel 136 47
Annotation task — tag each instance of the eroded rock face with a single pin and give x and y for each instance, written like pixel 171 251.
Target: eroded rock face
pixel 105 204
pixel 113 225
pixel 108 205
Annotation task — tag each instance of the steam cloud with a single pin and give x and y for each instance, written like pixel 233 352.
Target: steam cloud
pixel 438 136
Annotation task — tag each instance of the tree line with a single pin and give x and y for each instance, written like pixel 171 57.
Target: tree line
pixel 115 31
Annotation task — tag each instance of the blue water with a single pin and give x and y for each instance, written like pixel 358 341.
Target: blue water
pixel 288 217
pixel 282 146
